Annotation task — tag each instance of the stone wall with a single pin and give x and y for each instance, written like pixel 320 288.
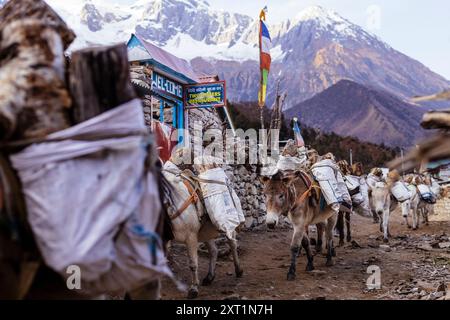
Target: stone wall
pixel 249 189
pixel 442 208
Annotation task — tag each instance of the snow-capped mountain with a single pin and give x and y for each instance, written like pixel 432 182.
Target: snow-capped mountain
pixel 188 28
pixel 311 52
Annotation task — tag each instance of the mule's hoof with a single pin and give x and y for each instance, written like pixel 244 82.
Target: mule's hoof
pixel 385 240
pixel 329 263
pixel 349 239
pixel 239 273
pixel 341 243
pixel 291 276
pixel 192 294
pixel 208 280
pixel 309 267
pixel 415 228
pixel 333 252
pixel 409 227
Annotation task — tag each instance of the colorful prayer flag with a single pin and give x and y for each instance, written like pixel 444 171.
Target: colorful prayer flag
pixel 265 44
pixel 298 134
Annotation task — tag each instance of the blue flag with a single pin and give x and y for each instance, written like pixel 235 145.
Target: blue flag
pixel 298 134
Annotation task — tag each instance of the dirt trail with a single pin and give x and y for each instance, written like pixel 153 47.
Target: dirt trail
pixel 412 267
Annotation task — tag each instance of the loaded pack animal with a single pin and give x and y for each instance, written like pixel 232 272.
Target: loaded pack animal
pixel 360 200
pixel 191 225
pixel 296 197
pixel 420 207
pixel 383 203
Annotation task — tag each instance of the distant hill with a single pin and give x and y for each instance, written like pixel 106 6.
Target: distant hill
pixel 246 116
pixel 351 109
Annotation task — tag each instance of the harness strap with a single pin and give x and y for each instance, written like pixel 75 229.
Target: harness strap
pixel 309 184
pixel 219 183
pixel 193 199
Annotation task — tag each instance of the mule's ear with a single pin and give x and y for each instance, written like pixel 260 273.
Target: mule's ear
pixel 264 179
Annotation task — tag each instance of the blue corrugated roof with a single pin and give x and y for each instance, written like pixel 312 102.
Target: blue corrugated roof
pixel 179 67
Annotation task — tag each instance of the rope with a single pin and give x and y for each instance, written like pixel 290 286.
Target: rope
pixel 152 238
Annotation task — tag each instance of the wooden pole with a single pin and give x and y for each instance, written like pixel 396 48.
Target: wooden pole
pixel 261 115
pixel 99 81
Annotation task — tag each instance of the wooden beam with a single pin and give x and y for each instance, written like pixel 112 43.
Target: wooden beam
pixel 99 80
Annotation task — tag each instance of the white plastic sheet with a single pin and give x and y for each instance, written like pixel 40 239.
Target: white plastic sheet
pixel 352 182
pixel 426 193
pixel 400 191
pixel 435 188
pixel 372 180
pixel 326 173
pixel 343 187
pixel 93 205
pixel 290 163
pixel 222 203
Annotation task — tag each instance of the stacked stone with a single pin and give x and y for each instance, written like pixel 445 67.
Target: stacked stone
pixel 443 207
pixel 250 192
pixel 208 117
pixel 141 79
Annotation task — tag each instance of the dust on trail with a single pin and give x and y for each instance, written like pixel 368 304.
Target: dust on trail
pixel 412 267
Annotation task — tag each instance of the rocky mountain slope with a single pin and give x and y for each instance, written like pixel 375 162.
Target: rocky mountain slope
pixel 312 51
pixel 351 109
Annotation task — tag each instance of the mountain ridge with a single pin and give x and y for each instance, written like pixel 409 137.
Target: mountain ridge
pixel 351 109
pixel 311 51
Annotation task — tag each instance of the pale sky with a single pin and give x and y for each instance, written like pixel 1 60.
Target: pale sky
pixel 418 28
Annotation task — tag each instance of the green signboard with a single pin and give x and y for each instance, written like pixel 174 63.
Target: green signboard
pixel 205 95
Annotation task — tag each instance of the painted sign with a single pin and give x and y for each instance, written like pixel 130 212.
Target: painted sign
pixel 204 95
pixel 162 83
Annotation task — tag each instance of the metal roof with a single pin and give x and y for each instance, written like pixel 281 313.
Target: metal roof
pixel 168 60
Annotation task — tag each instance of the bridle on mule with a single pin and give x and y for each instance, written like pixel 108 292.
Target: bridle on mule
pixel 292 192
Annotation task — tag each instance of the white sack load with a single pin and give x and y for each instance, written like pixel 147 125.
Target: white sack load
pixel 426 194
pixel 400 191
pixel 435 188
pixel 354 188
pixel 361 199
pixel 325 173
pixel 303 154
pixel 343 189
pixel 363 187
pixel 221 201
pixel 93 205
pixel 372 180
pixel 290 163
pixel 352 182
